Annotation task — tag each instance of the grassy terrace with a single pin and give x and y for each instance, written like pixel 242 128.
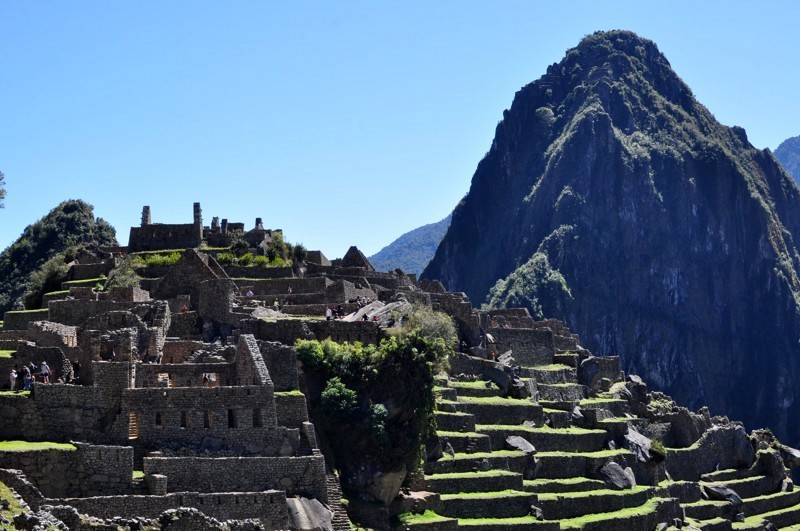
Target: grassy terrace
pixel 15 394
pixel 293 392
pixel 600 454
pixel 482 455
pixel 500 494
pixel 138 474
pixel 7 353
pixel 428 517
pixel 538 429
pixel 42 311
pixel 476 474
pixel 477 384
pixel 494 401
pixel 517 520
pixel 86 282
pixel 578 523
pixel 589 401
pixel 25 446
pixel 585 494
pixel 552 367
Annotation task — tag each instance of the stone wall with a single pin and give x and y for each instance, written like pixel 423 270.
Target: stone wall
pixel 18 320
pixel 529 347
pixel 291 408
pixel 269 506
pixel 75 312
pixel 719 448
pixel 303 476
pixel 282 364
pixel 287 331
pixel 160 236
pixel 239 272
pixel 50 334
pixel 184 374
pixel 86 471
pixel 87 271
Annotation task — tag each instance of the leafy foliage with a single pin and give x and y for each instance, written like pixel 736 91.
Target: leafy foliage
pixel 157 259
pixel 63 231
pixel 124 275
pixel 362 407
pixel 249 259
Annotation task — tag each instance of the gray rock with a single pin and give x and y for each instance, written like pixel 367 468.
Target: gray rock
pixel 615 476
pixel 639 445
pixel 715 491
pixel 515 442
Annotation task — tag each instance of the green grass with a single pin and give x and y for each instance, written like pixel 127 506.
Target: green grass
pixel 138 474
pixel 443 433
pixel 7 353
pixel 41 310
pixel 293 392
pixel 494 401
pixel 477 384
pixel 587 401
pixel 483 455
pixel 14 507
pixel 600 454
pixel 14 393
pixel 25 446
pixel 477 474
pixel 86 282
pixel 467 522
pixel 579 522
pixel 538 429
pixel 590 493
pixel 59 292
pixel 499 494
pixel 427 517
pixel 552 367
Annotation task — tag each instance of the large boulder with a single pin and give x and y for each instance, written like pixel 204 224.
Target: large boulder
pixel 616 477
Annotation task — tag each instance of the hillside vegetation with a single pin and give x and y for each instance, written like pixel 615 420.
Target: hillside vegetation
pixel 37 261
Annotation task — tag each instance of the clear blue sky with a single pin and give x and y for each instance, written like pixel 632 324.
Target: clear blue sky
pixel 341 123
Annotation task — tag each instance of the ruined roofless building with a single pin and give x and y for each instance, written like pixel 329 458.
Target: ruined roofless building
pixel 151 236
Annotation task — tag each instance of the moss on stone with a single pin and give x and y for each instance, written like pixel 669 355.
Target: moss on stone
pixel 25 446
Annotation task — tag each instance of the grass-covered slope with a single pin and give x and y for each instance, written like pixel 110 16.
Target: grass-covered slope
pixel 44 248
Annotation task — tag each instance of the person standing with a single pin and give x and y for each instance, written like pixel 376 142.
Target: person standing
pixel 46 373
pixel 12 377
pixel 26 379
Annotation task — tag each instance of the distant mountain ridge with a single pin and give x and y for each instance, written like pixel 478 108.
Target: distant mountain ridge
pixel 412 251
pixel 788 154
pixel 611 199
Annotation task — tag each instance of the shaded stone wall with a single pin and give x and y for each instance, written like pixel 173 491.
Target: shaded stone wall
pixel 304 476
pixel 287 332
pixel 180 351
pixel 291 408
pixel 76 312
pixel 18 320
pixel 282 364
pixel 529 347
pixel 239 272
pixel 269 506
pixel 87 471
pixel 163 236
pixel 184 374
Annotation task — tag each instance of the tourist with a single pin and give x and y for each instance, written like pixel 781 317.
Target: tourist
pixel 276 305
pixel 20 379
pixel 12 376
pixel 184 309
pixel 328 314
pixel 250 294
pixel 26 379
pixel 46 373
pixel 289 291
pixel 365 317
pixel 76 369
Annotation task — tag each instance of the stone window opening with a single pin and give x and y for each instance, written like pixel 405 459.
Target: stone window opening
pixel 159 419
pixel 258 420
pixel 232 420
pixel 184 420
pixel 207 420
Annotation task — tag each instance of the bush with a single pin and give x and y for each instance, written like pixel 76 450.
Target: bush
pixel 124 275
pixel 337 401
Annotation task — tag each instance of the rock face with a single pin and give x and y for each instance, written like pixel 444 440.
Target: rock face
pixel 788 154
pixel 613 200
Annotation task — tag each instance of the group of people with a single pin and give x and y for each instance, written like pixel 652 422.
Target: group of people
pixel 361 301
pixel 334 313
pixel 21 379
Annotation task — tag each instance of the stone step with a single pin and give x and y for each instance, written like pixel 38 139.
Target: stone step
pixel 448 406
pixel 445 393
pixel 715 524
pixel 562 392
pixel 685 491
pixel 709 509
pixel 502 504
pixel 455 421
pixel 566 358
pixel 476 388
pixel 618 407
pixel 572 439
pixel 559 506
pixel 782 518
pixel 513 461
pixel 752 486
pixel 539 486
pixel 644 517
pixel 520 523
pixel 555 373
pixel 495 410
pixel 729 474
pixel 557 418
pixel 427 521
pixel 555 465
pixel 466 442
pixel 491 480
pixel 770 502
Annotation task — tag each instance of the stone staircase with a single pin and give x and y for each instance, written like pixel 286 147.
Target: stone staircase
pixel 481 484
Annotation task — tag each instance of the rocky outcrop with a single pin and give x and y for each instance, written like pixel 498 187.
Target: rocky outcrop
pixel 613 200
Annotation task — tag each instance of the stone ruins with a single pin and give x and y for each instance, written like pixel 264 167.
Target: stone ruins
pixel 179 404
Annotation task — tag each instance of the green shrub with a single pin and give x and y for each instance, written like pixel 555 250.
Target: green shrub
pixel 338 401
pixel 658 451
pixel 124 275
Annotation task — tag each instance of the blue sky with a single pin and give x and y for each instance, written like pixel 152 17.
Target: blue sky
pixel 341 123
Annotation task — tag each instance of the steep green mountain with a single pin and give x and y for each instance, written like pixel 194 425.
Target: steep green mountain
pixel 412 251
pixel 610 198
pixel 45 246
pixel 788 154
